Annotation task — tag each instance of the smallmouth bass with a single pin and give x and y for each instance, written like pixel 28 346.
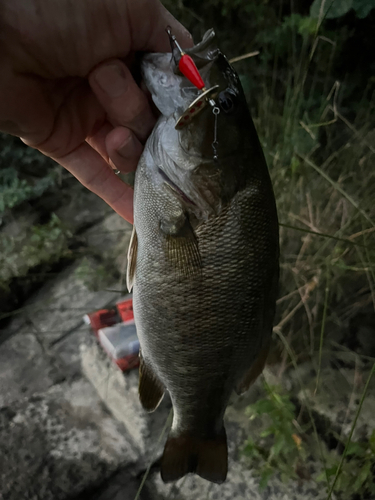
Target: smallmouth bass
pixel 203 258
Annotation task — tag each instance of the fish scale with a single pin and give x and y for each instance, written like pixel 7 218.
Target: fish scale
pixel 204 270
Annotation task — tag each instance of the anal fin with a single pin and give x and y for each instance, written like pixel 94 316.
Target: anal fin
pixel 151 390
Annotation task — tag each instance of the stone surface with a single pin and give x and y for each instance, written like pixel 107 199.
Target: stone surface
pixel 57 440
pixel 41 346
pixel 24 367
pixel 57 444
pixel 241 484
pixel 67 352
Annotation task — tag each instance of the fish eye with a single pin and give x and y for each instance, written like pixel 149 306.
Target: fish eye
pixel 227 101
pixel 163 80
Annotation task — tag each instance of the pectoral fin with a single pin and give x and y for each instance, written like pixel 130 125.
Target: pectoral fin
pixel 182 249
pixel 151 390
pixel 254 371
pixel 132 260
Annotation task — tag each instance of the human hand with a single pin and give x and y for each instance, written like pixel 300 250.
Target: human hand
pixel 66 88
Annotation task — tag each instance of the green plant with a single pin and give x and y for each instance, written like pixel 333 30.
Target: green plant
pixel 47 241
pixel 14 190
pixel 280 447
pixel 356 475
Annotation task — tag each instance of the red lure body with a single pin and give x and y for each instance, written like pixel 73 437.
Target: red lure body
pixel 188 68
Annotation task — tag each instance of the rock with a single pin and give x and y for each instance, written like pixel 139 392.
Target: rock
pixel 41 346
pixel 24 367
pixel 119 392
pixel 241 484
pixel 57 444
pixel 66 351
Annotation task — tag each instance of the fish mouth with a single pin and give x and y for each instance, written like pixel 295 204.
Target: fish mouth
pixel 175 188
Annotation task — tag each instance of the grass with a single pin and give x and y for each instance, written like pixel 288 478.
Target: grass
pixel 321 165
pixel 345 452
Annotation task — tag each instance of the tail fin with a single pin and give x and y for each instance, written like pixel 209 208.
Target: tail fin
pixel 206 457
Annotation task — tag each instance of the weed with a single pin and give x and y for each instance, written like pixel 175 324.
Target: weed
pixel 280 447
pixel 355 474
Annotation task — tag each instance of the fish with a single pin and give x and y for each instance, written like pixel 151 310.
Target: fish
pixel 203 257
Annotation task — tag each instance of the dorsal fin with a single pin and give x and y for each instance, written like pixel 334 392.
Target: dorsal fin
pixel 132 260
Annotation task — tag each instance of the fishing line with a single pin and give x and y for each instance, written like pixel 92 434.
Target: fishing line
pixel 215 144
pixel 168 422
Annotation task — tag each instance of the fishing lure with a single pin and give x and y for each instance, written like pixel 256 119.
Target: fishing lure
pixel 207 96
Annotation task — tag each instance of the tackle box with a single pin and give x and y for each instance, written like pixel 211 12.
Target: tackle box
pixel 116 332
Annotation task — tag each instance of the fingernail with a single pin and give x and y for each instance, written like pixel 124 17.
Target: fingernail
pixel 111 79
pixel 128 148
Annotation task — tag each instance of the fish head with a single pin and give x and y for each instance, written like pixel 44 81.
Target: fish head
pixel 173 93
pixel 220 129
